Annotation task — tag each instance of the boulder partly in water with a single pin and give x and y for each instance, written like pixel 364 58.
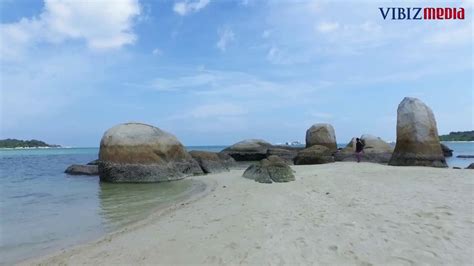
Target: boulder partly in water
pixel 135 152
pixel 79 169
pixel 447 152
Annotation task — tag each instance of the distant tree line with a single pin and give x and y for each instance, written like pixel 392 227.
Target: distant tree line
pixel 16 143
pixel 458 136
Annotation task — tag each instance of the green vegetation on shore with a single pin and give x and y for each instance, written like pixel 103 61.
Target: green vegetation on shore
pixel 458 136
pixel 16 143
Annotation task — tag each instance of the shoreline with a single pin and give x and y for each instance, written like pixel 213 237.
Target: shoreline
pixel 199 189
pixel 372 211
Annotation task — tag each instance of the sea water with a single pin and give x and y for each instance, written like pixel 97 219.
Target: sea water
pixel 43 209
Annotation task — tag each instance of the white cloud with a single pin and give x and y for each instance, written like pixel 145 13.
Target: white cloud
pixel 186 7
pixel 101 24
pixel 325 27
pixel 226 36
pixel 157 52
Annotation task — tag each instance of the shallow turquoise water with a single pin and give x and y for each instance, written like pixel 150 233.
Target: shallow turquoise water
pixel 43 209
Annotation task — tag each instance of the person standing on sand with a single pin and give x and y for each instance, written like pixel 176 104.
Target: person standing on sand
pixel 359 149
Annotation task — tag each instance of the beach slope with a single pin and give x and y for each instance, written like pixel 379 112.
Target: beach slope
pixel 332 214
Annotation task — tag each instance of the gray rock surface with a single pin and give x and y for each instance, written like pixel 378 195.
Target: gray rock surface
pixel 287 153
pixel 321 134
pixel 376 150
pixel 94 162
pixel 79 169
pixel 447 152
pixel 210 162
pixel 227 160
pixel 248 150
pixel 135 152
pixel 316 154
pixel 272 169
pixel 417 136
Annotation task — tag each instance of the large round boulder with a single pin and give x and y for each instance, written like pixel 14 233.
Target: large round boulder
pixel 135 152
pixel 272 169
pixel 321 134
pixel 316 154
pixel 417 136
pixel 210 162
pixel 376 150
pixel 248 150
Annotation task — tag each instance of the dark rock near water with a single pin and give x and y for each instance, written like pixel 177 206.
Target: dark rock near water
pixel 272 169
pixel 79 169
pixel 417 136
pixel 471 166
pixel 447 152
pixel 94 162
pixel 210 162
pixel 455 167
pixel 135 152
pixel 248 150
pixel 465 156
pixel 287 153
pixel 315 154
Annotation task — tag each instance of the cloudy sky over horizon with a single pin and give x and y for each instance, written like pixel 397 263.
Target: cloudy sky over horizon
pixel 215 72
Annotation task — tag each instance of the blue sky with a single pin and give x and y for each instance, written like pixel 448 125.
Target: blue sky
pixel 216 72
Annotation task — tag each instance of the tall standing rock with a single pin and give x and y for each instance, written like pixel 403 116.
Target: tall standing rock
pixel 134 152
pixel 417 136
pixel 321 134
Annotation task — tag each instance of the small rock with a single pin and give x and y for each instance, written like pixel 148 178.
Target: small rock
pixel 78 169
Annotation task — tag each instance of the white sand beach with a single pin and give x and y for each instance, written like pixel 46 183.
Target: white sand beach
pixel 339 213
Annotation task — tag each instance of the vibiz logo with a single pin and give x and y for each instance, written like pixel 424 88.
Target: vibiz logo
pixel 422 13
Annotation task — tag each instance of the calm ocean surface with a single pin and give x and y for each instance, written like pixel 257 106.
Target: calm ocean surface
pixel 43 209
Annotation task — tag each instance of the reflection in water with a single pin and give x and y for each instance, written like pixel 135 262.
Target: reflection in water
pixel 122 204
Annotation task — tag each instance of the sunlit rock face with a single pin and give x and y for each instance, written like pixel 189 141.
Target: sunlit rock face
pixel 417 136
pixel 135 152
pixel 321 134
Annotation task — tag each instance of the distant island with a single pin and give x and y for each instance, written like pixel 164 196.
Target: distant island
pixel 16 143
pixel 458 136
